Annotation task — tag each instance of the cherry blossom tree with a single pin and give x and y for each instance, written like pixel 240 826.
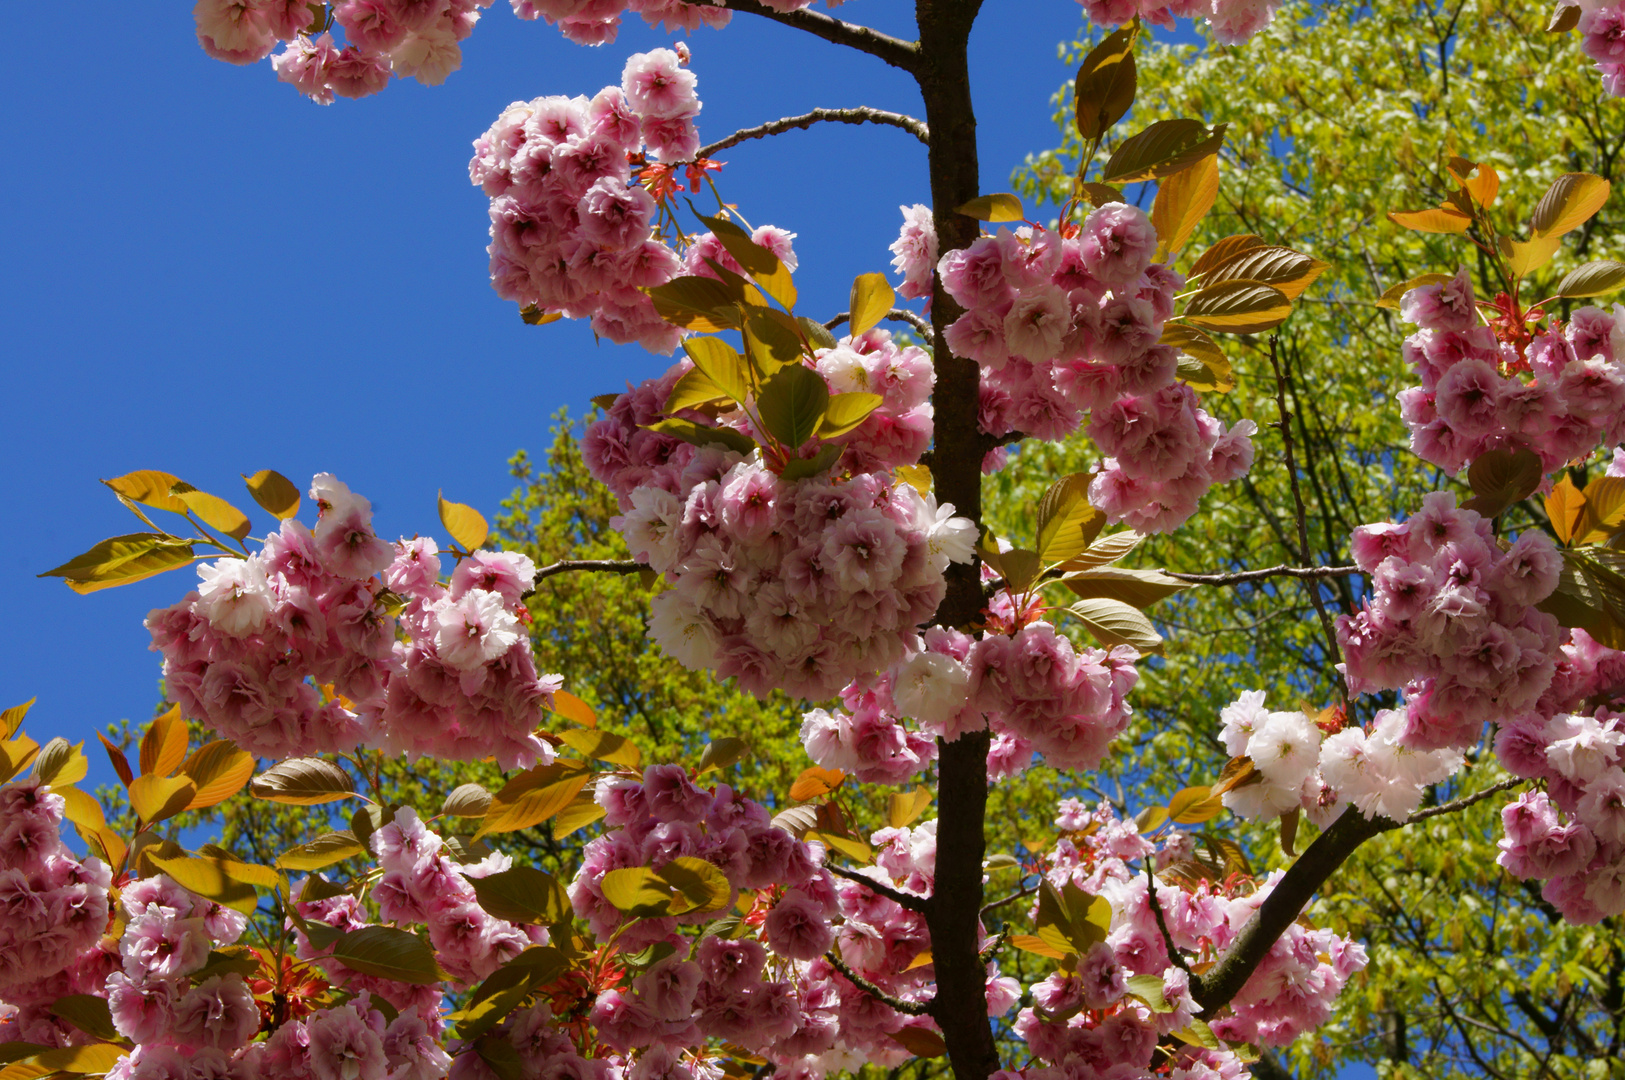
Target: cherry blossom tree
pixel 809 509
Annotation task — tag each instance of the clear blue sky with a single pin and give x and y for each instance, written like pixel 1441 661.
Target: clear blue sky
pixel 207 274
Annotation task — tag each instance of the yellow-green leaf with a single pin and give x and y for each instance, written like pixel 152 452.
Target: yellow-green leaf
pixel 845 412
pixel 720 363
pixel 603 746
pixel 275 493
pixel 149 486
pixel 87 1012
pixel 1106 82
pixel 582 811
pixel 390 954
pixel 207 878
pixel 61 763
pixel 1000 207
pixel 1395 293
pixel 522 894
pixel 1569 203
pixel 1223 251
pixel 121 560
pixel 1238 307
pixel 1113 622
pixel 721 752
pixel 1067 524
pixel 157 798
pixel 1164 148
pixel 693 390
pixel 1194 805
pixel 467 800
pixel 637 891
pixel 325 850
pixel 12 718
pixel 872 297
pixel 1524 256
pixel 213 511
pixel 699 885
pixel 903 808
pixel 16 755
pixel 465 524
pixel 532 797
pixel 1596 278
pixel 1289 271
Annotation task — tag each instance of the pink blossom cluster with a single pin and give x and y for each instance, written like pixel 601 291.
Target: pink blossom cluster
pixel 1602 38
pixel 185 1022
pixel 410 38
pixel 53 909
pixel 1451 620
pixel 1231 22
pixel 1069 327
pixel 798 585
pixel 597 22
pixel 1090 1018
pixel 1571 834
pixel 1296 766
pixel 1473 398
pixel 570 230
pixel 1034 690
pixel 249 653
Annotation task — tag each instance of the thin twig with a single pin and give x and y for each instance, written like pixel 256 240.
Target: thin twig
pixel 1243 576
pixel 1464 802
pixel 859 115
pixel 912 1008
pixel 999 903
pixel 605 566
pixel 1297 495
pixel 1162 924
pixel 897 53
pixel 895 315
pixel 914 903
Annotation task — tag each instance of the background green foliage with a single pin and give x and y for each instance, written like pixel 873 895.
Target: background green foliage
pixel 1338 113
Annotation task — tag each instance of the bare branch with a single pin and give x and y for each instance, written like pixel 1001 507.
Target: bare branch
pixel 861 115
pixel 912 1008
pixel 897 53
pixel 914 903
pixel 1174 954
pixel 603 566
pixel 895 315
pixel 1464 802
pixel 1243 576
pixel 1003 900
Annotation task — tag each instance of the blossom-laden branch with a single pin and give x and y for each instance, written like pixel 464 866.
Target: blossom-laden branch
pixel 912 1008
pixel 1241 577
pixel 861 115
pixel 1162 922
pixel 894 51
pixel 917 904
pixel 895 315
pixel 1224 980
pixel 602 566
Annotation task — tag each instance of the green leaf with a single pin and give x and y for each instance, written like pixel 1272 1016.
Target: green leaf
pixel 1501 478
pixel 1569 203
pixel 1162 149
pixel 1021 568
pixel 701 304
pixel 1108 549
pixel 274 492
pixel 1106 83
pixel 121 560
pixel 1137 588
pixel 803 468
pixel 1148 988
pixel 872 298
pixel 1238 307
pixel 721 752
pixel 762 265
pixel 303 782
pixel 721 364
pixel 699 435
pixel 1067 524
pixel 699 885
pixel 846 411
pixel 467 800
pixel 523 894
pixel 1000 207
pixel 389 954
pixel 816 332
pixel 91 1059
pixel 325 850
pixel 532 797
pixel 1197 1033
pixel 1596 278
pixel 1113 622
pixel 774 339
pixel 61 763
pixel 792 404
pixel 87 1012
pixel 637 891
pixel 150 487
pixel 213 511
pixel 465 524
pixel 1194 805
pixel 1289 271
pixel 603 746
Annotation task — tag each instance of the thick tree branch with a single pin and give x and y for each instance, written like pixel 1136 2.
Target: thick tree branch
pixel 897 896
pixel 861 115
pixel 895 315
pixel 1243 576
pixel 897 53
pixel 912 1008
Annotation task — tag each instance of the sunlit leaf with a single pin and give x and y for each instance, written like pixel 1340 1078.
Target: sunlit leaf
pixel 1238 307
pixel 814 782
pixel 150 487
pixel 213 511
pixel 1440 219
pixel 390 954
pixel 1105 86
pixel 871 299
pixel 275 493
pixel 325 850
pixel 602 746
pixel 121 560
pixel 303 782
pixel 522 894
pixel 994 208
pixel 465 524
pixel 1162 149
pixel 157 798
pixel 1569 203
pixel 1182 201
pixel 219 770
pixel 532 797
